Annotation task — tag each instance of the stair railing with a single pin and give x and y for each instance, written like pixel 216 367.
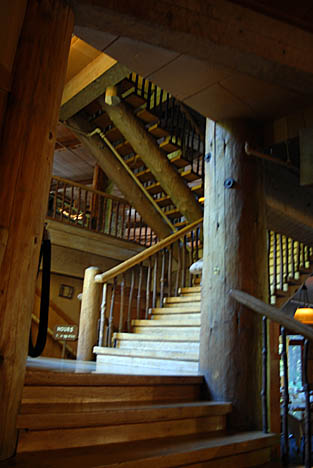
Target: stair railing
pixel 146 279
pixel 91 209
pixel 288 259
pixel 286 323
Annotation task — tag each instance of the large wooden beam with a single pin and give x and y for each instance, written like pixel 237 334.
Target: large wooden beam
pixel 118 174
pixel 90 83
pixel 217 31
pixel 155 159
pixel 234 257
pixel 26 155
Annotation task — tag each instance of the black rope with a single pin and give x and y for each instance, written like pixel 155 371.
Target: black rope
pixel 45 257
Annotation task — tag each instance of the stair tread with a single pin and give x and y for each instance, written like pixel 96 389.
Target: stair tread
pixel 150 337
pixel 118 414
pixel 146 353
pixel 181 299
pixel 193 322
pixel 192 308
pixel 161 452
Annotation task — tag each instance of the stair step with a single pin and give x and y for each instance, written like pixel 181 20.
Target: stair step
pixel 178 309
pixel 106 362
pixel 190 290
pixel 180 300
pixel 170 346
pixel 242 450
pixel 147 353
pixel 171 322
pixel 168 336
pixel 173 332
pixel 179 317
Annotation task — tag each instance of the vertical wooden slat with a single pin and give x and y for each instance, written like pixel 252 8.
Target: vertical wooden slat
pixel 274 263
pixel 123 234
pixel 111 217
pixel 281 259
pixel 170 266
pixel 111 316
pixel 284 357
pixel 286 259
pixel 104 210
pixel 130 299
pixel 155 278
pixel 78 204
pixel 121 318
pixel 129 221
pixel 148 289
pixel 307 414
pixel 139 290
pixel 184 262
pixel 99 213
pixel 292 267
pixel 116 219
pixel 162 280
pixel 63 201
pixel 102 316
pixel 178 272
pixel 71 203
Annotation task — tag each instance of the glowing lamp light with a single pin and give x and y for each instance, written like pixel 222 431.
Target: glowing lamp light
pixel 304 315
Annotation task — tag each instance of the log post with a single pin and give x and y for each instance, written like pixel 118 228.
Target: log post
pixel 111 166
pixel 235 257
pixel 26 154
pixel 89 315
pixel 155 159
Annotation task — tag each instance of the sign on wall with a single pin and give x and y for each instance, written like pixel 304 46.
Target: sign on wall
pixel 66 332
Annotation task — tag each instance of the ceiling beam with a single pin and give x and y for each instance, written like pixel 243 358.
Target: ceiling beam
pixel 217 31
pixel 90 83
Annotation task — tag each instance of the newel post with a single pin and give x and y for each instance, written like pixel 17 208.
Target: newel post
pixel 89 315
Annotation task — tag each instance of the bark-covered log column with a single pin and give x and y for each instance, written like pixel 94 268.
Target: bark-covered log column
pixel 26 154
pixel 234 257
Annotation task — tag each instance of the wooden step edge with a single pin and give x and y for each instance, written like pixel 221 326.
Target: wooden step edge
pixel 175 310
pixel 116 415
pixel 166 323
pixel 161 338
pixel 190 290
pixel 165 452
pixel 72 379
pixel 147 354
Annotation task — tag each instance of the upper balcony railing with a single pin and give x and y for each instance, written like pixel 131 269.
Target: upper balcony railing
pixel 96 211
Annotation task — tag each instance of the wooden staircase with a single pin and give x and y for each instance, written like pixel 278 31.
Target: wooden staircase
pixel 176 132
pixel 167 342
pixel 93 420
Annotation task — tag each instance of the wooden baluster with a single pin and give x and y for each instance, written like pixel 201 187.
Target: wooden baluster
pixel 292 266
pixel 148 288
pixel 139 291
pixel 284 357
pixel 286 260
pixel 162 280
pixel 274 263
pixel 170 267
pixel 178 272
pixel 307 414
pixel 140 229
pixel 197 242
pixel 129 221
pixel 123 236
pixel 63 201
pixel 184 262
pixel 55 204
pixel 190 257
pixel 100 213
pixel 143 87
pixel 121 318
pixel 264 375
pixel 111 316
pixel 130 300
pixel 104 214
pixel 155 96
pixel 110 231
pixel 301 263
pixel 71 204
pixel 78 205
pixel 281 258
pixel 116 219
pixel 155 279
pixel 102 316
pixel 306 257
pixel 149 96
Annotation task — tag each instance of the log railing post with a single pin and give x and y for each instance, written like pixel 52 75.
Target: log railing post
pixel 89 315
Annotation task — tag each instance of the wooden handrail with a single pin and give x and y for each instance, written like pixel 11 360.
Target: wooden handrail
pixel 131 262
pixel 272 313
pixel 89 189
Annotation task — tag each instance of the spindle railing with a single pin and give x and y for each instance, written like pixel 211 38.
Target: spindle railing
pixel 142 282
pixel 79 205
pixel 287 260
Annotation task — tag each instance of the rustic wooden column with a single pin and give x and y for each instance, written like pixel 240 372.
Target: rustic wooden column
pixel 155 159
pixel 234 257
pixel 89 315
pixel 26 151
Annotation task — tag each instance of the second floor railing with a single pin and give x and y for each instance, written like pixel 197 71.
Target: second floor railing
pixel 85 207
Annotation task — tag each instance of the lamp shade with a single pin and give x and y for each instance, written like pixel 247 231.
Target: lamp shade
pixel 304 315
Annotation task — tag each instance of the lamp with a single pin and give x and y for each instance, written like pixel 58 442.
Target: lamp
pixel 304 313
